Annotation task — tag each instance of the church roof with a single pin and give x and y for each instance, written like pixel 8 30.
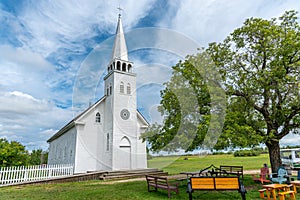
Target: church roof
pixel 72 123
pixel 75 121
pixel 120 48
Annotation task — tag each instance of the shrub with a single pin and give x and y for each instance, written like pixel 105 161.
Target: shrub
pixel 244 153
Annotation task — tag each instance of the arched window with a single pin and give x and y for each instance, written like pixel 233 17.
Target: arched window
pixel 98 117
pixel 118 65
pixel 129 67
pixel 107 142
pixel 128 88
pixel 124 67
pixel 122 88
pixel 107 91
pixel 125 142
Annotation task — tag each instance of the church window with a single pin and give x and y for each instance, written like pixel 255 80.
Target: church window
pixel 110 90
pixel 122 87
pixel 125 142
pixel 107 142
pixel 98 117
pixel 124 67
pixel 129 67
pixel 107 91
pixel 128 88
pixel 118 65
pixel 65 152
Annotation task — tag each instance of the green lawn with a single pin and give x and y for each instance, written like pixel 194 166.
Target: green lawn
pixel 117 191
pixel 138 189
pixel 176 164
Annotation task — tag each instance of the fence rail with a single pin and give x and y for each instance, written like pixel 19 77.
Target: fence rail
pixel 20 174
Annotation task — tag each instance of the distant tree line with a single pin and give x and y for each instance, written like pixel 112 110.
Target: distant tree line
pixel 15 154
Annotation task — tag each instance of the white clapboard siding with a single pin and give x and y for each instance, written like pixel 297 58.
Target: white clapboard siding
pixel 19 174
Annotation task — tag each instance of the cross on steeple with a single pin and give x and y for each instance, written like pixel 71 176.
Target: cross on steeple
pixel 120 10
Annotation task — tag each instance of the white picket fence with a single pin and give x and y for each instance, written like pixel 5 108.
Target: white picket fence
pixel 20 174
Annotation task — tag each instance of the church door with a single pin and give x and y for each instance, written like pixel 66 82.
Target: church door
pixel 125 154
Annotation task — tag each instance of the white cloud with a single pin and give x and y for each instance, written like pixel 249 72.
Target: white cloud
pixel 49 39
pixel 26 118
pixel 24 71
pixel 57 24
pixel 211 21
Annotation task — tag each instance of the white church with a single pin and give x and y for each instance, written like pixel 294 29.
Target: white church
pixel 106 136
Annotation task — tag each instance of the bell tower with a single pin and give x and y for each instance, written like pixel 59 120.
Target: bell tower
pixel 122 137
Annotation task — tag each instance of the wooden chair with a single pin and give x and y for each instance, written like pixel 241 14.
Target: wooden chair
pixel 281 176
pixel 263 177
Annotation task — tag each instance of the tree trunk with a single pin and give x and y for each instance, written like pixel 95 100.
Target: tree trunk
pixel 274 154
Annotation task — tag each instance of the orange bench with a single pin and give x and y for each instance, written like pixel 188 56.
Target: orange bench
pixel 215 183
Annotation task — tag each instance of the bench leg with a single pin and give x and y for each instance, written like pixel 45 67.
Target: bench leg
pixel 261 193
pixel 294 188
pixel 281 197
pixel 293 196
pixel 190 196
pixel 243 195
pixel 189 190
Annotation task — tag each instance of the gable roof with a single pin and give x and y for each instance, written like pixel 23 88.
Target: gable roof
pixel 73 122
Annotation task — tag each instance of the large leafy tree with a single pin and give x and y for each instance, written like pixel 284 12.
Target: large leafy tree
pixel 259 66
pixel 192 102
pixel 261 63
pixel 12 154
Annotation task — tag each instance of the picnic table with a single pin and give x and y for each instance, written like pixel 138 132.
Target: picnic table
pixel 274 189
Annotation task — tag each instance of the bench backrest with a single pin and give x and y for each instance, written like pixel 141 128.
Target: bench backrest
pixel 231 168
pixel 281 172
pixel 215 183
pixel 158 180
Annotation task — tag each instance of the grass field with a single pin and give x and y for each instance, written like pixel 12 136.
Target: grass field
pixel 175 164
pixel 137 189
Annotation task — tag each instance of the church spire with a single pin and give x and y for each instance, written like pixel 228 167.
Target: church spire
pixel 120 49
pixel 119 57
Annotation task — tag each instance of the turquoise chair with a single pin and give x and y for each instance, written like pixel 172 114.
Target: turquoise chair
pixel 279 177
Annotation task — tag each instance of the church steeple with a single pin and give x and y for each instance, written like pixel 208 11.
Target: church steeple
pixel 119 58
pixel 120 48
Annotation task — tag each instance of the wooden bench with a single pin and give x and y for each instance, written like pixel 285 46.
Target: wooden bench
pixel 283 194
pixel 232 170
pixel 262 193
pixel 161 182
pixel 216 183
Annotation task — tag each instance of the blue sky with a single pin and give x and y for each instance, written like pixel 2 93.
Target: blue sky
pixel 46 46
